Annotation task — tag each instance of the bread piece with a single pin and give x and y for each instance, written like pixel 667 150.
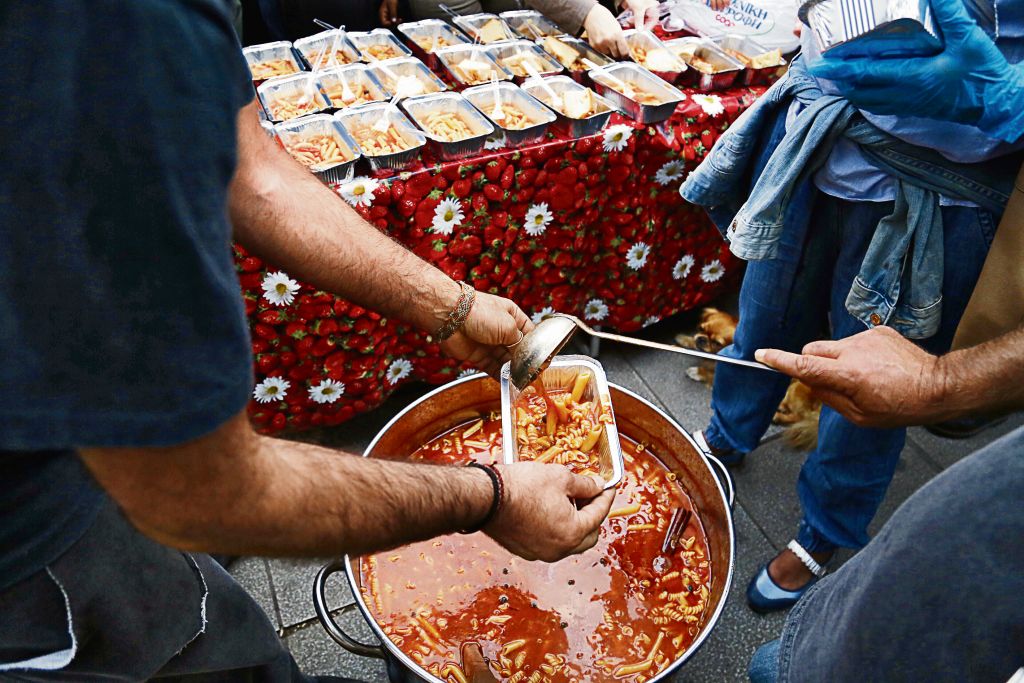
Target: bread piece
pixel 492 31
pixel 566 54
pixel 577 104
pixel 768 59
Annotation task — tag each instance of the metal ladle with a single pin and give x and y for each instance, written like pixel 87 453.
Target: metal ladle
pixel 533 353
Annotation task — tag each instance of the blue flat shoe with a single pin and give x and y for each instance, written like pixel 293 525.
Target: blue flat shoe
pixel 764 595
pixel 729 458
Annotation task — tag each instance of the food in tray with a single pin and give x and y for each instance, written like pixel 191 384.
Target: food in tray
pixel 431 42
pixel 318 151
pixel 566 54
pixel 449 126
pixel 633 91
pixel 270 68
pixel 375 142
pixel 657 59
pixel 624 611
pixel 516 63
pixel 358 93
pixel 512 117
pixel 492 32
pixel 557 425
pixel 473 70
pixel 382 51
pixel 574 104
pixel 321 58
pixel 283 107
pixel 762 61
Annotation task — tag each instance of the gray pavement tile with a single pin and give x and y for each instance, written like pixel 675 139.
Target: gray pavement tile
pixel 317 654
pixel 665 373
pixel 293 585
pixel 251 573
pixel 740 631
pixel 944 452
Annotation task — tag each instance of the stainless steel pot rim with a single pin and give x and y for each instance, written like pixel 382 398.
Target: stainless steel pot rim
pixel 408 662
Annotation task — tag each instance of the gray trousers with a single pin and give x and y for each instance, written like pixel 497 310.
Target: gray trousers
pixel 118 606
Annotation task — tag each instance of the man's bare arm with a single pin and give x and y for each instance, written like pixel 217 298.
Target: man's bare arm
pixel 236 492
pixel 282 213
pixel 879 379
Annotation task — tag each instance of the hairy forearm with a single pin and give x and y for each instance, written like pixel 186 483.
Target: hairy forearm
pixel 238 493
pixel 281 212
pixel 987 378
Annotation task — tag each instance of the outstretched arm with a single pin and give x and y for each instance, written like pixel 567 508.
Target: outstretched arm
pixel 236 492
pixel 879 379
pixel 282 213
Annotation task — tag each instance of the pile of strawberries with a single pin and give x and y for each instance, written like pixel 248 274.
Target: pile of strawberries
pixel 603 204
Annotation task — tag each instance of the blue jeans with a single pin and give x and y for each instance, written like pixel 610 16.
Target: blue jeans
pixel 799 296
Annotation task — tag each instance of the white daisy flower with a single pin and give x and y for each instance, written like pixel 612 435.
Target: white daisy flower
pixel 398 370
pixel 617 137
pixel 596 309
pixel 271 389
pixel 279 289
pixel 468 372
pixel 537 219
pixel 712 272
pixel 636 257
pixel 359 191
pixel 683 267
pixel 447 216
pixel 541 314
pixel 651 320
pixel 670 172
pixel 495 142
pixel 327 391
pixel 711 104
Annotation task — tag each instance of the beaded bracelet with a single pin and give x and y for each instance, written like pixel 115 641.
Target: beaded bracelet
pixel 459 314
pixel 497 502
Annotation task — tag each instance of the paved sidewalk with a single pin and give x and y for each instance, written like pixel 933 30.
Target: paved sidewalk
pixel 765 516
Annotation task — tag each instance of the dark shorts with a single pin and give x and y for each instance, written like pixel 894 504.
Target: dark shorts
pixel 118 606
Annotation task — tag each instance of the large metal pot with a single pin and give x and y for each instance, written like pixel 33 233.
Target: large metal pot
pixel 466 399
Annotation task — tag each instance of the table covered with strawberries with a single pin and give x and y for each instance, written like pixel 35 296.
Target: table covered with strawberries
pixel 588 222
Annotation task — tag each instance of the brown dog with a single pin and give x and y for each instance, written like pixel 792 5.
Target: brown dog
pixel 798 411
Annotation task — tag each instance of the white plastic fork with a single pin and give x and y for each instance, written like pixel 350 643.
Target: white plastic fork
pixel 627 89
pixel 497 114
pixel 556 100
pixel 385 121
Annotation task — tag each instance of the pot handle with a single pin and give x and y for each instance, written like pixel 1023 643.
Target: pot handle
pixel 330 625
pixel 724 478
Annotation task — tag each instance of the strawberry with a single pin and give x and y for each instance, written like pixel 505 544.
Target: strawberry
pixel 461 188
pixel 267 362
pixel 250 264
pixel 493 170
pixel 271 317
pixel 418 186
pixel 494 193
pixel 508 177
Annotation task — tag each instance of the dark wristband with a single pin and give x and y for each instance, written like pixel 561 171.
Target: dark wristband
pixel 496 502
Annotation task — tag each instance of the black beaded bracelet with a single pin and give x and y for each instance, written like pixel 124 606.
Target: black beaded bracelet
pixel 496 503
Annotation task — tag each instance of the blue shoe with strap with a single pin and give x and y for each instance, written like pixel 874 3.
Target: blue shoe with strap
pixel 727 456
pixel 764 595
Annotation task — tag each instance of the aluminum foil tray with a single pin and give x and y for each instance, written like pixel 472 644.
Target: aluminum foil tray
pixel 561 374
pixel 389 71
pixel 574 128
pixel 605 80
pixel 356 76
pixel 420 36
pixel 357 119
pixel 378 38
pixel 585 51
pixel 321 124
pixel 530 24
pixel 751 48
pixel 503 51
pixel 303 84
pixel 451 56
pixel 726 68
pixel 266 52
pixel 418 107
pixel 647 41
pixel 327 49
pixel 483 97
pixel 471 24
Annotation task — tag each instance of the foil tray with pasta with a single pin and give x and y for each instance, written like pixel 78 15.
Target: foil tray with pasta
pixel 564 417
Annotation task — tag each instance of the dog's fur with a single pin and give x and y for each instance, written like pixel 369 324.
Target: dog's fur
pixel 798 411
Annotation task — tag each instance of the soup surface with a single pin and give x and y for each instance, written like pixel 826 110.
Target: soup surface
pixel 622 611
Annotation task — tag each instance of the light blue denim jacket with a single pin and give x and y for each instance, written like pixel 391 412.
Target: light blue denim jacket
pixel 900 280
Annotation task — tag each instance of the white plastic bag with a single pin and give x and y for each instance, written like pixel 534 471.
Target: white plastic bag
pixel 769 22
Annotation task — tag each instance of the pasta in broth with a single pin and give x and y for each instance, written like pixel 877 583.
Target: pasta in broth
pixel 622 611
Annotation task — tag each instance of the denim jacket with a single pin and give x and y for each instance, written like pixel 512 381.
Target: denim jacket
pixel 900 280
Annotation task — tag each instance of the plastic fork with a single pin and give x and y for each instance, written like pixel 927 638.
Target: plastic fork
pixel 497 114
pixel 556 100
pixel 626 88
pixel 385 121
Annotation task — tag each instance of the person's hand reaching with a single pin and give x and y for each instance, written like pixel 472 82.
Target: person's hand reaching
pixel 540 519
pixel 969 82
pixel 494 324
pixel 388 13
pixel 874 379
pixel 604 33
pixel 645 12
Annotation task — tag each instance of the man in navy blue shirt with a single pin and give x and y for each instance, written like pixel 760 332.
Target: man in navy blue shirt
pixel 132 156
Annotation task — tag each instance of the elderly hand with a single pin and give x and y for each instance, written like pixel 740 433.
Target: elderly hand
pixel 493 325
pixel 604 33
pixel 640 8
pixel 540 519
pixel 970 81
pixel 874 379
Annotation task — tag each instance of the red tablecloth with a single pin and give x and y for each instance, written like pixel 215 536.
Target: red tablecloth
pixel 594 227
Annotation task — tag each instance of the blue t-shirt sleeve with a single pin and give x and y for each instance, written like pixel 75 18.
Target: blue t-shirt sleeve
pixel 121 320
